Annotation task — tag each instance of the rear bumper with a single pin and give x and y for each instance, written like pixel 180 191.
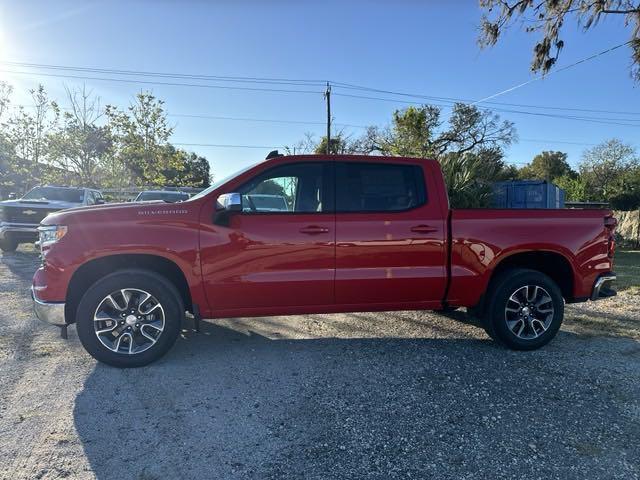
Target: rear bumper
pixel 49 312
pixel 602 288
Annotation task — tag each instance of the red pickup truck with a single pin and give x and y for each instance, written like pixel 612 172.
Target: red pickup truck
pixel 353 233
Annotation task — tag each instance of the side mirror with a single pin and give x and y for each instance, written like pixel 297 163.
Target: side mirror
pixel 229 202
pixel 100 201
pixel 226 205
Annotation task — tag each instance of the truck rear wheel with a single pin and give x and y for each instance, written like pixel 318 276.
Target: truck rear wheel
pixel 8 244
pixel 525 309
pixel 129 318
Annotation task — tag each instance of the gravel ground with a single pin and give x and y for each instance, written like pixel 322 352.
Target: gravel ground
pixel 388 395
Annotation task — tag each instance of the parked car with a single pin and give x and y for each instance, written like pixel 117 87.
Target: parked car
pixel 168 196
pixel 363 234
pixel 257 202
pixel 19 219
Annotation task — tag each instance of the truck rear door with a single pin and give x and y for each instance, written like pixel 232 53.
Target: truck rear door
pixel 390 234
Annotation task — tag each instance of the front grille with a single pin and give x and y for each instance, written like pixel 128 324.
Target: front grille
pixel 27 214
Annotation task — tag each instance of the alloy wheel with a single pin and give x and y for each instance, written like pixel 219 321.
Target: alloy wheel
pixel 129 321
pixel 529 312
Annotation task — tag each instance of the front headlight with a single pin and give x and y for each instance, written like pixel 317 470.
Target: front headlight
pixel 50 234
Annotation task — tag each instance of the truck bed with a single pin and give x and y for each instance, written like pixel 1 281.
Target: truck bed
pixel 481 239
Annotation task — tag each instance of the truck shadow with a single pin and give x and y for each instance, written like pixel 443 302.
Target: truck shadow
pixel 231 403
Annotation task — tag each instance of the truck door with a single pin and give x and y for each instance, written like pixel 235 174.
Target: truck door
pixel 390 234
pixel 279 251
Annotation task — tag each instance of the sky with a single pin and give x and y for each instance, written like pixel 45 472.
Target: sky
pixel 421 47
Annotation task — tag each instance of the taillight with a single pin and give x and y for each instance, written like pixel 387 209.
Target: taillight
pixel 611 246
pixel 610 224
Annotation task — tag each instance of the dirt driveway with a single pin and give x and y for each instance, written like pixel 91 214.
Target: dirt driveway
pixel 390 395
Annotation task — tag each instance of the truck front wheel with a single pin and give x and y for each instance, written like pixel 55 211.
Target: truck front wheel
pixel 129 318
pixel 525 309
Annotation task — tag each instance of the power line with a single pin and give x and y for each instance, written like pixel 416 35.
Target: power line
pixel 291 82
pixel 540 77
pixel 504 110
pixel 539 140
pixel 453 100
pixel 449 100
pixel 265 120
pixel 142 73
pixel 236 119
pixel 222 145
pixel 171 84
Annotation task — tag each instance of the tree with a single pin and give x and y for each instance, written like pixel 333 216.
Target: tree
pixel 547 18
pixel 270 187
pixel 186 169
pixel 628 196
pixel 5 150
pixel 27 135
pixel 574 187
pixel 5 97
pixel 141 139
pixel 80 145
pixel 469 176
pixel 547 166
pixel 626 201
pixel 420 132
pixel 341 144
pixel 197 171
pixel 607 168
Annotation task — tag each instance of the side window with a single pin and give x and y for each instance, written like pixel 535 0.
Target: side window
pixel 91 199
pixel 294 188
pixel 378 187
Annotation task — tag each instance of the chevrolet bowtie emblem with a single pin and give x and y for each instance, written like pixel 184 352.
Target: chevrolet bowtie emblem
pixel 29 212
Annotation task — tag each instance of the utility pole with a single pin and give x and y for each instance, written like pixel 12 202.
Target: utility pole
pixel 327 95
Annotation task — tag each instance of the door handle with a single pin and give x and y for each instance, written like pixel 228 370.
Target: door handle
pixel 424 229
pixel 314 230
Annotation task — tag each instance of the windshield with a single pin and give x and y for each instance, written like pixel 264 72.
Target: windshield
pixel 164 196
pixel 72 195
pixel 219 183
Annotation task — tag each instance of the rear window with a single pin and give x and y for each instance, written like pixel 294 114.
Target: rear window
pixel 378 187
pixel 72 195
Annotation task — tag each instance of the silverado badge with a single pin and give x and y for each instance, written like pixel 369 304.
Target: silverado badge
pixel 29 212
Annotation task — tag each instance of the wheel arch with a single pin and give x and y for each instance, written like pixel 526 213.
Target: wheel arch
pixel 550 262
pixel 88 273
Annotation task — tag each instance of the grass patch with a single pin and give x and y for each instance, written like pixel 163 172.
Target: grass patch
pixel 627 265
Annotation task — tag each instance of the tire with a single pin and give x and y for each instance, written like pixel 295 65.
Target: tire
pixel 138 334
pixel 8 244
pixel 525 309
